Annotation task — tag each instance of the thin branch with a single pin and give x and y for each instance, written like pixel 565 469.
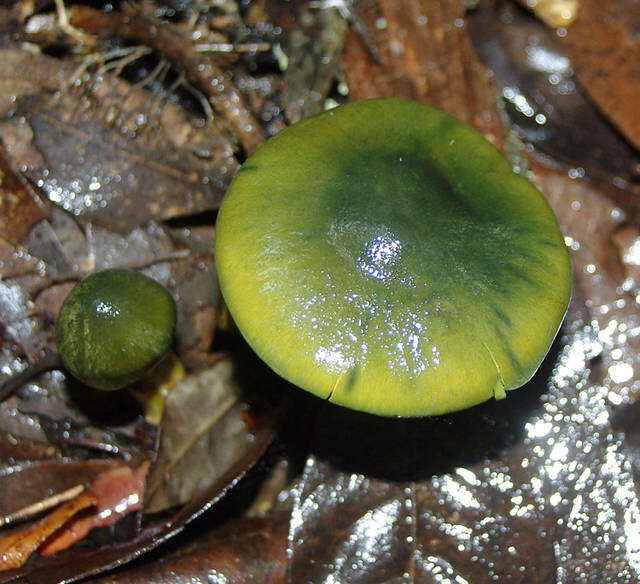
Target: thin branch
pixel 40 506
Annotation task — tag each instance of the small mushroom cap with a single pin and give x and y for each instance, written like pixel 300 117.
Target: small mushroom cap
pixel 386 257
pixel 113 327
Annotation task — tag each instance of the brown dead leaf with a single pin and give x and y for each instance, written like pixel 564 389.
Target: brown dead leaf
pixel 28 482
pixel 604 45
pixel 17 450
pixel 16 548
pixel 543 98
pixel 22 74
pixel 425 55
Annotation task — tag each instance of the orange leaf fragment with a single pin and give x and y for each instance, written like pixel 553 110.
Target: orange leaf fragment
pixel 16 548
pixel 118 492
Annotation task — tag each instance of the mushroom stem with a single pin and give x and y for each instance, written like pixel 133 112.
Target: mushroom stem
pixel 48 362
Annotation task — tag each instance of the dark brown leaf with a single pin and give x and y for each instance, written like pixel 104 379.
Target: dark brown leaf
pixel 29 482
pixel 14 450
pixel 516 491
pixel 72 565
pixel 22 75
pixel 533 489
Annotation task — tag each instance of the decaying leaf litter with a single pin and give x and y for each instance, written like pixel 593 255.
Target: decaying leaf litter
pixel 537 488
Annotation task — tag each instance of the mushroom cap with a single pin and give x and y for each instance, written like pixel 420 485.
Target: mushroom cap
pixel 113 327
pixel 385 256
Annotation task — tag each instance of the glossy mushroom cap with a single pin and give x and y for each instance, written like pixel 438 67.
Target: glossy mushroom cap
pixel 113 327
pixel 386 257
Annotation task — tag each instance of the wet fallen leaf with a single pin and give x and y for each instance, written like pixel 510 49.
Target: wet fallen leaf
pixel 537 488
pixel 26 483
pixel 74 564
pixel 543 97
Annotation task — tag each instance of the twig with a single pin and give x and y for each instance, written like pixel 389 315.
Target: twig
pixel 37 508
pixel 65 26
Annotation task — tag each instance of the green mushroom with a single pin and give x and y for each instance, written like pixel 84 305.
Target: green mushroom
pixel 113 327
pixel 386 257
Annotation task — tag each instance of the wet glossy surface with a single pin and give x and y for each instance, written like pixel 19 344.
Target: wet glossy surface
pixel 535 489
pixel 386 257
pixel 113 327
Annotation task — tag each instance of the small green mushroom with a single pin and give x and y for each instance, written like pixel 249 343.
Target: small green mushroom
pixel 113 327
pixel 386 257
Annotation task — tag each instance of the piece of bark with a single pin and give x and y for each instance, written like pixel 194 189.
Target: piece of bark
pixel 425 54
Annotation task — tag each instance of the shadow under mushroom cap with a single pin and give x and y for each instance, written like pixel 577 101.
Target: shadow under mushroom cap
pixel 385 256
